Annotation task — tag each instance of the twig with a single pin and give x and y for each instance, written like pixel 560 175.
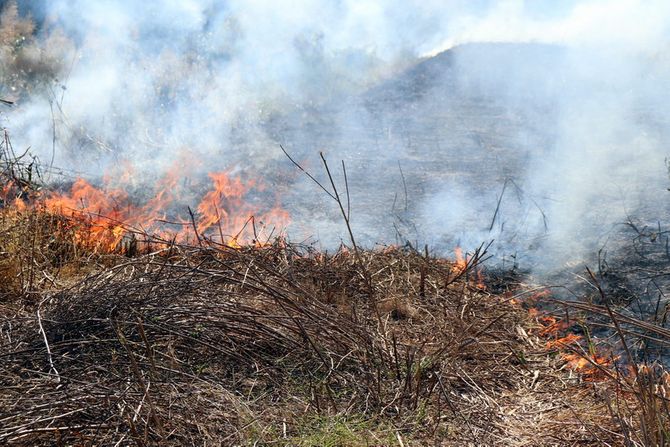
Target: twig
pixel 46 342
pixel 307 173
pixel 404 185
pixel 495 213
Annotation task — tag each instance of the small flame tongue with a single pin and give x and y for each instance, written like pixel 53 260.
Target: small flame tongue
pixel 462 263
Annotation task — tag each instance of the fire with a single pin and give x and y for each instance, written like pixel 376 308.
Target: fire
pixel 571 348
pixel 590 366
pixel 225 210
pixel 227 192
pixel 103 216
pixel 102 213
pixel 461 264
pixel 569 339
pixel 480 280
pixel 10 197
pixel 552 326
pixel 5 191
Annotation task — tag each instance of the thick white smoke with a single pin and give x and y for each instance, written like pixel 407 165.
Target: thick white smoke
pixel 576 107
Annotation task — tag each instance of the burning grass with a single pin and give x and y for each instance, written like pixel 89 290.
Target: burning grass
pixel 636 390
pixel 271 345
pixel 197 340
pixel 105 219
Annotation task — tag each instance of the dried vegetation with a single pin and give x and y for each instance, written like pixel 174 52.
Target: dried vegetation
pixel 274 345
pixel 280 344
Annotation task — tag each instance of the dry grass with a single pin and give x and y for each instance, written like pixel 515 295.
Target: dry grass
pixel 279 345
pixel 276 345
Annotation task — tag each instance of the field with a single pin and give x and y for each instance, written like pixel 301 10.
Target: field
pixel 335 224
pixel 284 345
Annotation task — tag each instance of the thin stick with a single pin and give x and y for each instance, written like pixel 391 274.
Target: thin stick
pixel 52 367
pixel 495 213
pixel 346 185
pixel 195 227
pixel 620 332
pixel 357 253
pixel 307 173
pixel 53 138
pixel 404 184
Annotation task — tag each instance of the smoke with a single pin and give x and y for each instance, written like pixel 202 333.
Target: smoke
pixel 553 113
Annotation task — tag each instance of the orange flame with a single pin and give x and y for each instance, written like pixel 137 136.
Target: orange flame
pixel 552 326
pixel 590 366
pixel 461 263
pixel 11 196
pixel 103 212
pixel 104 216
pixel 564 341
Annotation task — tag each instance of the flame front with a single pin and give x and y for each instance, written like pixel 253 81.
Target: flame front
pixel 104 213
pixel 104 216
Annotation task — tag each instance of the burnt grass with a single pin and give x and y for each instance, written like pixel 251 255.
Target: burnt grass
pixel 274 345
